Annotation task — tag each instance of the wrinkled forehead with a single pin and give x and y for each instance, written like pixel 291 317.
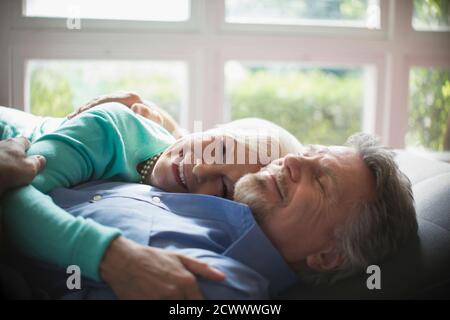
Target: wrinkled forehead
pixel 353 170
pixel 337 151
pixel 344 160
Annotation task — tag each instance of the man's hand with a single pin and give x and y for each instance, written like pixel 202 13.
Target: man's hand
pixel 138 272
pixel 16 169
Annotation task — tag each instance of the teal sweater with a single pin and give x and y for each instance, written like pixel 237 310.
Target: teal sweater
pixel 106 142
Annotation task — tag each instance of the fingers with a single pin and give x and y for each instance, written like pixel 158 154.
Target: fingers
pixel 147 112
pixel 33 163
pixel 89 105
pixel 37 162
pixel 31 167
pixel 201 268
pixel 130 98
pixel 123 97
pixel 22 142
pixel 191 289
pixel 83 108
pixel 16 164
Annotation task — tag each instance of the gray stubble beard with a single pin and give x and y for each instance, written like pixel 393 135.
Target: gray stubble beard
pixel 250 190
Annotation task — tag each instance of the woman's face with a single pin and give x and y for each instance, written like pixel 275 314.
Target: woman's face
pixel 204 164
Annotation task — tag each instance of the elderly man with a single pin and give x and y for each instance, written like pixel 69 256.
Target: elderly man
pixel 318 215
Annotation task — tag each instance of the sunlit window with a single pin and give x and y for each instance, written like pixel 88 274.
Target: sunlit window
pixel 316 104
pixel 344 13
pixel 429 109
pixel 140 10
pixel 56 87
pixel 431 15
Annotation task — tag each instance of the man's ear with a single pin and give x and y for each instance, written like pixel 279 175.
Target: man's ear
pixel 327 259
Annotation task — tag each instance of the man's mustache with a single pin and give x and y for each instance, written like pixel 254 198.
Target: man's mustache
pixel 280 178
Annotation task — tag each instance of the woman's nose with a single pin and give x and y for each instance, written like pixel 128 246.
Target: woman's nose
pixel 203 172
pixel 207 179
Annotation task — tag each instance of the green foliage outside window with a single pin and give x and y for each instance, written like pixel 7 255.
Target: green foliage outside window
pixel 431 14
pixel 429 115
pixel 316 106
pixel 51 93
pixel 57 89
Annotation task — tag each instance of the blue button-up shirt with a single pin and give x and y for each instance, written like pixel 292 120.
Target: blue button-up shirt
pixel 221 232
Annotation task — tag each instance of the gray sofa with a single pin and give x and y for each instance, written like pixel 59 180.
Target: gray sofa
pixel 422 269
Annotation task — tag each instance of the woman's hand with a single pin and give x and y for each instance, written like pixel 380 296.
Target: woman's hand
pixel 135 103
pixel 129 99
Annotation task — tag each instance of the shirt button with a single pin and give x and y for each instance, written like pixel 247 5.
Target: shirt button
pixel 156 199
pixel 97 197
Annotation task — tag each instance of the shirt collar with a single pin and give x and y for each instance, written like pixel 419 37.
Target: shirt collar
pixel 255 250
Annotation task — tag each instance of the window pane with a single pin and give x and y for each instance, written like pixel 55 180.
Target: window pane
pixel 353 13
pixel 56 87
pixel 316 104
pixel 431 15
pixel 429 110
pixel 143 10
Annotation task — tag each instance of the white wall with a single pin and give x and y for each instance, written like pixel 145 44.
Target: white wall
pixel 206 43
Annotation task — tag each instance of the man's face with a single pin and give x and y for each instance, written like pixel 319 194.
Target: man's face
pixel 300 199
pixel 203 164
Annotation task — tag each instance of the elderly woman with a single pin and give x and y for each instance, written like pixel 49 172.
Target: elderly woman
pixel 109 141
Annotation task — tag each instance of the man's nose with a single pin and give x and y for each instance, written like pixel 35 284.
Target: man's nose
pixel 298 165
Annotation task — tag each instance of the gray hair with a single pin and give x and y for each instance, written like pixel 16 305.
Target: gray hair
pixel 379 228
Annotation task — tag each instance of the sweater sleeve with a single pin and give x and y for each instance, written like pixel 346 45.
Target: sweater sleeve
pixel 42 230
pixel 105 142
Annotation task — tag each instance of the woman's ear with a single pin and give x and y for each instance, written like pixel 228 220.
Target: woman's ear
pixel 327 259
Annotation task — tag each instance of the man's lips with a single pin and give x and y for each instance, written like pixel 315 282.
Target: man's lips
pixel 272 184
pixel 277 187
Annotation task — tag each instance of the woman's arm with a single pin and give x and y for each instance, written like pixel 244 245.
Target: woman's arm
pixel 106 142
pixel 135 103
pixel 40 229
pixel 15 123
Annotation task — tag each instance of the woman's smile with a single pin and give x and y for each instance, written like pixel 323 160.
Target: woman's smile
pixel 178 170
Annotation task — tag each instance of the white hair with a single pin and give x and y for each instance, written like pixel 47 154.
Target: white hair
pixel 251 131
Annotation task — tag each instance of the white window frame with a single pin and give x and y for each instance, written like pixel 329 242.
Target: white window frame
pixel 21 21
pixel 206 42
pixel 333 28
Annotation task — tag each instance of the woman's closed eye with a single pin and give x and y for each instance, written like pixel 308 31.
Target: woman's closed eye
pixel 223 148
pixel 224 188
